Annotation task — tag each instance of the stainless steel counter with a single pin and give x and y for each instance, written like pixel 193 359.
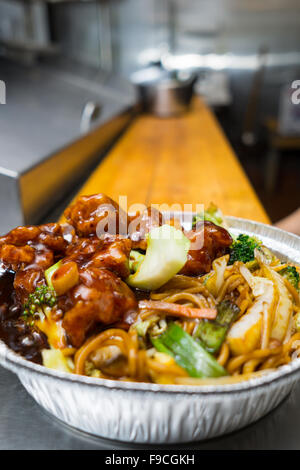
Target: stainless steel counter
pixel 54 127
pixel 43 110
pixel 24 425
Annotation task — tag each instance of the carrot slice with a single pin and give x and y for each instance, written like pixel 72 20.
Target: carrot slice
pixel 177 310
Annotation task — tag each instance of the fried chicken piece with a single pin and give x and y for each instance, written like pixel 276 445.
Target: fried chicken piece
pixel 87 213
pixel 29 251
pixel 100 297
pixel 26 281
pixel 113 256
pixel 15 256
pixel 31 274
pixel 83 250
pixel 208 241
pixel 19 236
pixel 50 235
pixel 141 224
pixel 110 254
pixel 32 246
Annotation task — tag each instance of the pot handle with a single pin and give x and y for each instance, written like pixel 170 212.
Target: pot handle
pixel 90 113
pixel 3 354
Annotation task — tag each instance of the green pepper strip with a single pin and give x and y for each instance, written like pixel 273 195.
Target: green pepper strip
pixel 189 354
pixel 212 333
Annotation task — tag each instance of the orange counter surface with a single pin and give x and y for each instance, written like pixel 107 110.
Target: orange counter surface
pixel 185 160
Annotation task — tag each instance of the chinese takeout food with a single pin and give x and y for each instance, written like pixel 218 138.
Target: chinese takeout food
pixel 136 297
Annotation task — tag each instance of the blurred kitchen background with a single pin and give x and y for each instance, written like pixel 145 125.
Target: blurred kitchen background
pixel 67 68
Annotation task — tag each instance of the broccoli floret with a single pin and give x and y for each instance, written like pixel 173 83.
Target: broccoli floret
pixel 42 296
pixel 292 275
pixel 242 249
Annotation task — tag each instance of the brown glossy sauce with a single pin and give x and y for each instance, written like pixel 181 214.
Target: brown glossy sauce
pixel 141 294
pixel 14 331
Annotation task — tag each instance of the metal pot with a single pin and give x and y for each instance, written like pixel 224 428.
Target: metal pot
pixel 163 93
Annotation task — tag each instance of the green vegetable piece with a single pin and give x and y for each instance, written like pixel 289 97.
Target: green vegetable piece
pixel 212 333
pixel 135 260
pixel 212 214
pixel 166 255
pixel 160 347
pixel 42 296
pixel 227 313
pixel 50 271
pixel 252 265
pixel 189 354
pixel 292 275
pixel 143 326
pixel 242 249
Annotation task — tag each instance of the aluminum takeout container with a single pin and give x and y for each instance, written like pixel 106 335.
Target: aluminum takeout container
pixel 151 413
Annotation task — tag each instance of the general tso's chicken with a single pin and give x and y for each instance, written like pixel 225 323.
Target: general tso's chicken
pixel 100 297
pixel 113 256
pixel 110 254
pixel 208 241
pixel 51 235
pixel 36 246
pixel 141 224
pixel 83 249
pixel 96 214
pixel 29 251
pixel 26 281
